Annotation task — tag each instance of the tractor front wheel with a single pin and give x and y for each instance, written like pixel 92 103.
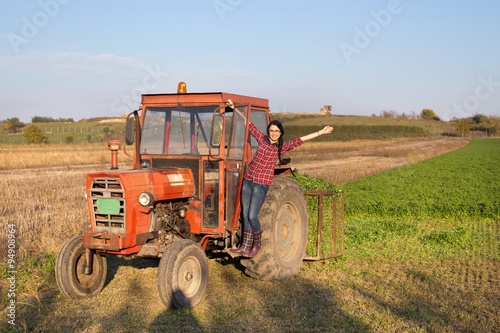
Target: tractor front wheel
pixel 284 221
pixel 71 279
pixel 183 275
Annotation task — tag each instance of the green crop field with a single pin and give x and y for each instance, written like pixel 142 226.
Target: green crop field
pixel 421 242
pixel 459 185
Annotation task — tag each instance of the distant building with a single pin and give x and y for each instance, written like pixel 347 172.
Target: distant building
pixel 326 110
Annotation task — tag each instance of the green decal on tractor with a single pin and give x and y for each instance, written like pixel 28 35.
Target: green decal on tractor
pixel 108 206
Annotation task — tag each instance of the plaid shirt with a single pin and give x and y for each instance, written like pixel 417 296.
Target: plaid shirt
pixel 261 169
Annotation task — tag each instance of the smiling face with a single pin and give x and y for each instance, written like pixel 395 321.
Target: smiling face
pixel 274 133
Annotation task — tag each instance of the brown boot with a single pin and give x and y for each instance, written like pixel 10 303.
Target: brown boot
pixel 246 243
pixel 256 245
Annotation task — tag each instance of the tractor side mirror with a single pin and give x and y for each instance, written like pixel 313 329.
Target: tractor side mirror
pixel 217 130
pixel 129 131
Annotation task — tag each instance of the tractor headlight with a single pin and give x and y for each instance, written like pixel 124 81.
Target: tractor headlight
pixel 146 199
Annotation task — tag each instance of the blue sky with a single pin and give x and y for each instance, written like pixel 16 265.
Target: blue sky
pixel 83 59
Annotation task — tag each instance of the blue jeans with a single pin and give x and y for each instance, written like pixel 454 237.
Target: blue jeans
pixel 252 199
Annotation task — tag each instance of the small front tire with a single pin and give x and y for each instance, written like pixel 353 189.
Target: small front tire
pixel 70 277
pixel 183 275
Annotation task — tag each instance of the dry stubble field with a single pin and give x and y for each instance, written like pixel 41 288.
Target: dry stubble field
pixel 359 292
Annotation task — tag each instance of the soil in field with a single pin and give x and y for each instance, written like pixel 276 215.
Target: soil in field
pixel 341 162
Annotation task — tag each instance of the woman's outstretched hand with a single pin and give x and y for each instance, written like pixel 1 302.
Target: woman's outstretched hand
pixel 326 130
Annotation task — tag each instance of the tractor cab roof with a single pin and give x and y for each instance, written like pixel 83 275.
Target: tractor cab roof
pixel 211 98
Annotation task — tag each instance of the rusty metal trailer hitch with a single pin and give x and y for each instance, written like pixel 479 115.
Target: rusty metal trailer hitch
pixel 337 240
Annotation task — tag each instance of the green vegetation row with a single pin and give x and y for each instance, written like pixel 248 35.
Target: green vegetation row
pixel 40 119
pixel 357 132
pixel 478 125
pixel 304 119
pixel 461 184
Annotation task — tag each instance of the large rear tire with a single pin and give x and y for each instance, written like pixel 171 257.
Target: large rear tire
pixel 70 277
pixel 183 275
pixel 284 221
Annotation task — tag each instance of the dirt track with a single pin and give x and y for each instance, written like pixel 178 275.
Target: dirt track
pixel 340 162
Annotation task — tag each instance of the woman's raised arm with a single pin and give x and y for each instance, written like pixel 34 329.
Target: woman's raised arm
pixel 325 130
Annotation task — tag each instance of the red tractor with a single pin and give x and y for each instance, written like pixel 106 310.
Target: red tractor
pixel 182 198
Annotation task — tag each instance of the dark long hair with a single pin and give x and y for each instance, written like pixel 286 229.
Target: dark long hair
pixel 278 124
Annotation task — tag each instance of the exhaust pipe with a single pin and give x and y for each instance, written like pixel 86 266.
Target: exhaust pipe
pixel 114 147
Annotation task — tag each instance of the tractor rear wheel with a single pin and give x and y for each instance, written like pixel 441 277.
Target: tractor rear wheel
pixel 183 275
pixel 70 277
pixel 284 221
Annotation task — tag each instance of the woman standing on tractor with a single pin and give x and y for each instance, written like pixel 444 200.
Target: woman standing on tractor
pixel 259 176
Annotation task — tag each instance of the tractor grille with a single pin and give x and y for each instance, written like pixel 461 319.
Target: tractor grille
pixel 108 204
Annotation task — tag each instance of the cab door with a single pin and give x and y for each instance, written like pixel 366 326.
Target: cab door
pixel 236 146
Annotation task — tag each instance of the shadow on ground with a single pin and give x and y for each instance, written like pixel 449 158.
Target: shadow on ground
pixel 238 303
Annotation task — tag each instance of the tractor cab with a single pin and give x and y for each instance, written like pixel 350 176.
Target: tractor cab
pixel 202 133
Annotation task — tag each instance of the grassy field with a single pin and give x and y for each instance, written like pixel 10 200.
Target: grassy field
pixel 400 272
pixel 462 184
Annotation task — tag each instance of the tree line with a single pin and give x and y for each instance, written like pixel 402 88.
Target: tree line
pixel 13 125
pixel 38 119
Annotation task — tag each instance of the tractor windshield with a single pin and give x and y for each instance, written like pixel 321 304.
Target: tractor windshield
pixel 177 130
